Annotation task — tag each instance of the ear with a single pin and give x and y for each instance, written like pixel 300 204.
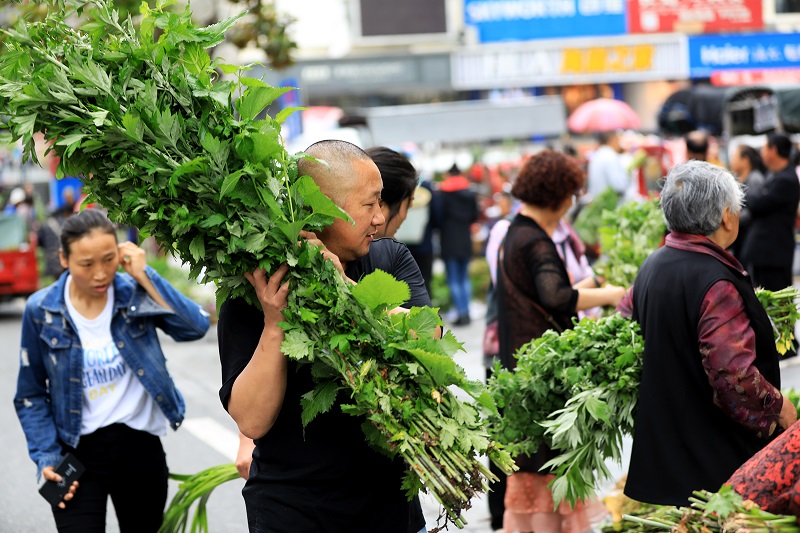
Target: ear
pixel 728 219
pixel 64 262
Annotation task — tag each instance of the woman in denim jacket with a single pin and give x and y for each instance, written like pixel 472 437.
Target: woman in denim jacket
pixel 93 379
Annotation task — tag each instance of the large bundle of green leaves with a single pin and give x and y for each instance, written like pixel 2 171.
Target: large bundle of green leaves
pixel 628 235
pixel 167 146
pixel 575 392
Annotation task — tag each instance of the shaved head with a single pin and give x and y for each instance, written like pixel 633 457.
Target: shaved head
pixel 343 158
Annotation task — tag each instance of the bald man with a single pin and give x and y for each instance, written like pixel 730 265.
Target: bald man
pixel 324 477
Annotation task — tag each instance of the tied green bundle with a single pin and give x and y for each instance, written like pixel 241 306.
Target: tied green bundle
pixel 629 234
pixel 195 488
pixel 715 512
pixel 576 392
pixel 781 308
pixel 167 146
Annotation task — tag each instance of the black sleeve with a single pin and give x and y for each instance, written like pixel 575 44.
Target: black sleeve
pixel 550 277
pixel 405 268
pixel 238 332
pixel 773 194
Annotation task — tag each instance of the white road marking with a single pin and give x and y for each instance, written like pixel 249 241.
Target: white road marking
pixel 214 434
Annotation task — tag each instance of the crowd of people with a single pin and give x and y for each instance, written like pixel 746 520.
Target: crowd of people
pixel 93 381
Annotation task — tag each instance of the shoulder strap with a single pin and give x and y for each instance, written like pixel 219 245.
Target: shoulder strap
pixel 547 316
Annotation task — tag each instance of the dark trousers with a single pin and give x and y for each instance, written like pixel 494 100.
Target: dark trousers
pixel 126 464
pixel 497 489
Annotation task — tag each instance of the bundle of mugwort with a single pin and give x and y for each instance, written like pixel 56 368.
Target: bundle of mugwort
pixel 167 146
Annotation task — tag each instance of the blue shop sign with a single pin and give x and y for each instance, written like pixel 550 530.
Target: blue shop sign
pixel 524 20
pixel 711 53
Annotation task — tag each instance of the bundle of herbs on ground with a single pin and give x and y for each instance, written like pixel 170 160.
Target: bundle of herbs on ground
pixel 714 512
pixel 168 146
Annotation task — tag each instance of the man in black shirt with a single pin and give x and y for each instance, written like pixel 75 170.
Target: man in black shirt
pixel 325 477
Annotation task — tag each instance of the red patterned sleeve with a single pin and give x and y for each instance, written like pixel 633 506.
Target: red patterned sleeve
pixel 727 344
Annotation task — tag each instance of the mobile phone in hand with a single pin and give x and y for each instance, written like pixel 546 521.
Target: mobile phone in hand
pixel 69 469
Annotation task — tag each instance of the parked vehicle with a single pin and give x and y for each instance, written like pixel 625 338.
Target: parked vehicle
pixel 19 272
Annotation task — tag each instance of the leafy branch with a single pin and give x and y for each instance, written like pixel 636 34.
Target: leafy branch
pixel 166 145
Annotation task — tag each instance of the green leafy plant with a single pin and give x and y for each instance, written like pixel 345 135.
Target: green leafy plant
pixel 195 489
pixel 590 219
pixel 168 146
pixel 715 512
pixel 782 310
pixel 628 235
pixel 575 392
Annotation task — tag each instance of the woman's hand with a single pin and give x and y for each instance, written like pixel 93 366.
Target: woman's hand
pixel 788 414
pixel 133 260
pixel 49 474
pixel 327 254
pixel 615 294
pixel 272 295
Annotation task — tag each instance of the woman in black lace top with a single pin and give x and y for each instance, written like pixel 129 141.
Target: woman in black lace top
pixel 535 295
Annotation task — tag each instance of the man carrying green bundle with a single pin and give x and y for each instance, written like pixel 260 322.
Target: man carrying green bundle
pixel 324 477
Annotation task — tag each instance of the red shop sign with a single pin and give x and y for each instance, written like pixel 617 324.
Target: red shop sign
pixel 755 76
pixel 693 16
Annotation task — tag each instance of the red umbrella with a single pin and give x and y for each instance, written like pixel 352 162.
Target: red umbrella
pixel 603 114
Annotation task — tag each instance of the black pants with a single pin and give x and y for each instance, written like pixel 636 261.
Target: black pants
pixel 126 464
pixel 497 489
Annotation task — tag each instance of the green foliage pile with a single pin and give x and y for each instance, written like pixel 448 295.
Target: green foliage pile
pixel 166 145
pixel 715 512
pixel 575 392
pixel 781 307
pixel 590 219
pixel 195 489
pixel 628 235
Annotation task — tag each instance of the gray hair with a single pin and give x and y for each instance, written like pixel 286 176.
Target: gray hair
pixel 695 195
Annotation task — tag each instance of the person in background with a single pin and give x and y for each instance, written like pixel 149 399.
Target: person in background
pixel 697 145
pixel 768 249
pixel 491 342
pixel 49 233
pixel 423 252
pixel 399 185
pixel 535 294
pixel 459 209
pixel 705 335
pixel 606 169
pixel 325 476
pixel 749 169
pixel 93 379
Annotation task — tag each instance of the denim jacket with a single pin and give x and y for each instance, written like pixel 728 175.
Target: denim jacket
pixel 50 385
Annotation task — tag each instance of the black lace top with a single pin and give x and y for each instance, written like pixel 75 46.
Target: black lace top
pixel 531 272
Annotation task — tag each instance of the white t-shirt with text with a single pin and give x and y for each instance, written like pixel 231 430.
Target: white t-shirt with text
pixel 111 391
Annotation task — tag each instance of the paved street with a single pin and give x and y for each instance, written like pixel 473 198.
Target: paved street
pixel 207 438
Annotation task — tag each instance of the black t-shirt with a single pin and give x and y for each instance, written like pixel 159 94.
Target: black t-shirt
pixel 324 478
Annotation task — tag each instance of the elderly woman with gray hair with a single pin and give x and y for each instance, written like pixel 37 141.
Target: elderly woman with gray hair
pixel 710 388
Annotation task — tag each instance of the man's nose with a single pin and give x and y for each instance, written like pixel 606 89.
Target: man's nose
pixel 379 219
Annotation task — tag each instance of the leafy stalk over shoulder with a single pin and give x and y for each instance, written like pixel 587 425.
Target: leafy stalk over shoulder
pixel 167 145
